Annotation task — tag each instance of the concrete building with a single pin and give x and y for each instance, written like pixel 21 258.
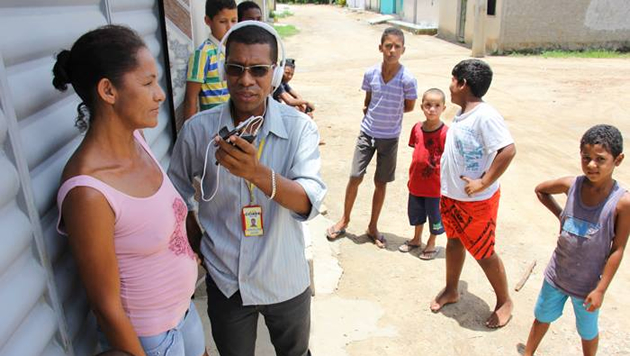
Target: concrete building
pixel 356 4
pixel 538 24
pixel 373 5
pixel 420 12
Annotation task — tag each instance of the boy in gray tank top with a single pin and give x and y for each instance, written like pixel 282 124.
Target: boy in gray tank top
pixel 595 224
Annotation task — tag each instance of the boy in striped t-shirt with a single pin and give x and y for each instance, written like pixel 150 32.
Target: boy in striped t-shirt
pixel 203 85
pixel 390 91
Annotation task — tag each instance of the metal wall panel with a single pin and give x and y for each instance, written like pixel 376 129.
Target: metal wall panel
pixel 47 138
pixel 42 303
pixel 142 16
pixel 28 303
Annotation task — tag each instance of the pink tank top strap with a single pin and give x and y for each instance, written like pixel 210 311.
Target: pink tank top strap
pixel 146 147
pixel 85 181
pixel 113 196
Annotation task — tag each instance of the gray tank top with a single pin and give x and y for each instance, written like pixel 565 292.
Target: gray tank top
pixel 584 243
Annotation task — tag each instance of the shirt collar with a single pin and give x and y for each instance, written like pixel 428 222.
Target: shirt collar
pixel 273 119
pixel 214 40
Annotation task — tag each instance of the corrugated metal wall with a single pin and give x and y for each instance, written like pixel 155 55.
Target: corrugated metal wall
pixel 42 305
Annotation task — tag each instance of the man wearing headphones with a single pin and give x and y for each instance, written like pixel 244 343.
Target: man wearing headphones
pixel 274 181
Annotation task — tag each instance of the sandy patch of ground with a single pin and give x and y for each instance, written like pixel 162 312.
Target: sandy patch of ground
pixel 547 103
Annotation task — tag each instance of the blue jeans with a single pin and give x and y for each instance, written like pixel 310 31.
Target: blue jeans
pixel 185 339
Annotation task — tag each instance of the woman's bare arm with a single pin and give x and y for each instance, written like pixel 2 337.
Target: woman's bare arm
pixel 89 222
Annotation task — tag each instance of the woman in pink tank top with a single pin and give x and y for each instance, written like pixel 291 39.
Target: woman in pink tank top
pixel 124 219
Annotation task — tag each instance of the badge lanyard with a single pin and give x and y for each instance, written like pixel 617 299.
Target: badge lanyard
pixel 251 214
pixel 250 186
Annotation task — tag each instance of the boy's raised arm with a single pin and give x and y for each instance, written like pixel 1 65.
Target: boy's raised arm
pixel 288 99
pixel 622 229
pixel 299 97
pixel 295 94
pixel 546 189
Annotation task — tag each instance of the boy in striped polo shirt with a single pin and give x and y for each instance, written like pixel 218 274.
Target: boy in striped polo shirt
pixel 390 91
pixel 203 85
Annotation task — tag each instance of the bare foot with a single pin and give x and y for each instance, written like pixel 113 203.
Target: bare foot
pixel 444 298
pixel 501 316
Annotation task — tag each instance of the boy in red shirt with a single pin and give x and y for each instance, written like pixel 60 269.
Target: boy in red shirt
pixel 427 139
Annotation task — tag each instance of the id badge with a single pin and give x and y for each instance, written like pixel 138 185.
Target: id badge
pixel 252 220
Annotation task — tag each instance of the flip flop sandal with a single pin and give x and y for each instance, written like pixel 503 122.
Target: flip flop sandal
pixel 376 239
pixel 499 326
pixel 428 255
pixel 406 247
pixel 333 235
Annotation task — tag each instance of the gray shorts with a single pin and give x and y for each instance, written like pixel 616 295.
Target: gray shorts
pixel 386 153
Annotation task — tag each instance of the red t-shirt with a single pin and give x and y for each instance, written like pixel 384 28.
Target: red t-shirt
pixel 424 173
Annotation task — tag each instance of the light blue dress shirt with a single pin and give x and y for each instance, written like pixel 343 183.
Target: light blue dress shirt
pixel 265 269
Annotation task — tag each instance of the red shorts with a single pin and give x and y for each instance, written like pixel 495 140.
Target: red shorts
pixel 472 222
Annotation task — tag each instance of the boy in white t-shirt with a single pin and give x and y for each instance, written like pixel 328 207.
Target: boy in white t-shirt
pixel 478 149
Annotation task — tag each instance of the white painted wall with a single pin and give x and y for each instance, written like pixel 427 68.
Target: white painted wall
pixel 569 24
pixel 200 30
pixel 447 20
pixel 373 5
pixel 356 4
pixel 608 15
pixel 422 12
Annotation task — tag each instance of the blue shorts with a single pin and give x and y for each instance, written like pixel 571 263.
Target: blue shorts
pixel 419 208
pixel 185 339
pixel 551 303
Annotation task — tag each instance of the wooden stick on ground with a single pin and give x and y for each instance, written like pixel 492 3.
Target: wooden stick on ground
pixel 526 275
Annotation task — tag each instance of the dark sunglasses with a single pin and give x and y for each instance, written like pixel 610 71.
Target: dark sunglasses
pixel 258 70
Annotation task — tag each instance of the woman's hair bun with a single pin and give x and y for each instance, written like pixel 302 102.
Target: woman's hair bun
pixel 61 77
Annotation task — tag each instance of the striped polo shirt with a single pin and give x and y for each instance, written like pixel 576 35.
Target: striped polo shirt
pixel 203 68
pixel 385 112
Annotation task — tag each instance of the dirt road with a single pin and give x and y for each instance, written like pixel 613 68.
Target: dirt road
pixel 547 103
